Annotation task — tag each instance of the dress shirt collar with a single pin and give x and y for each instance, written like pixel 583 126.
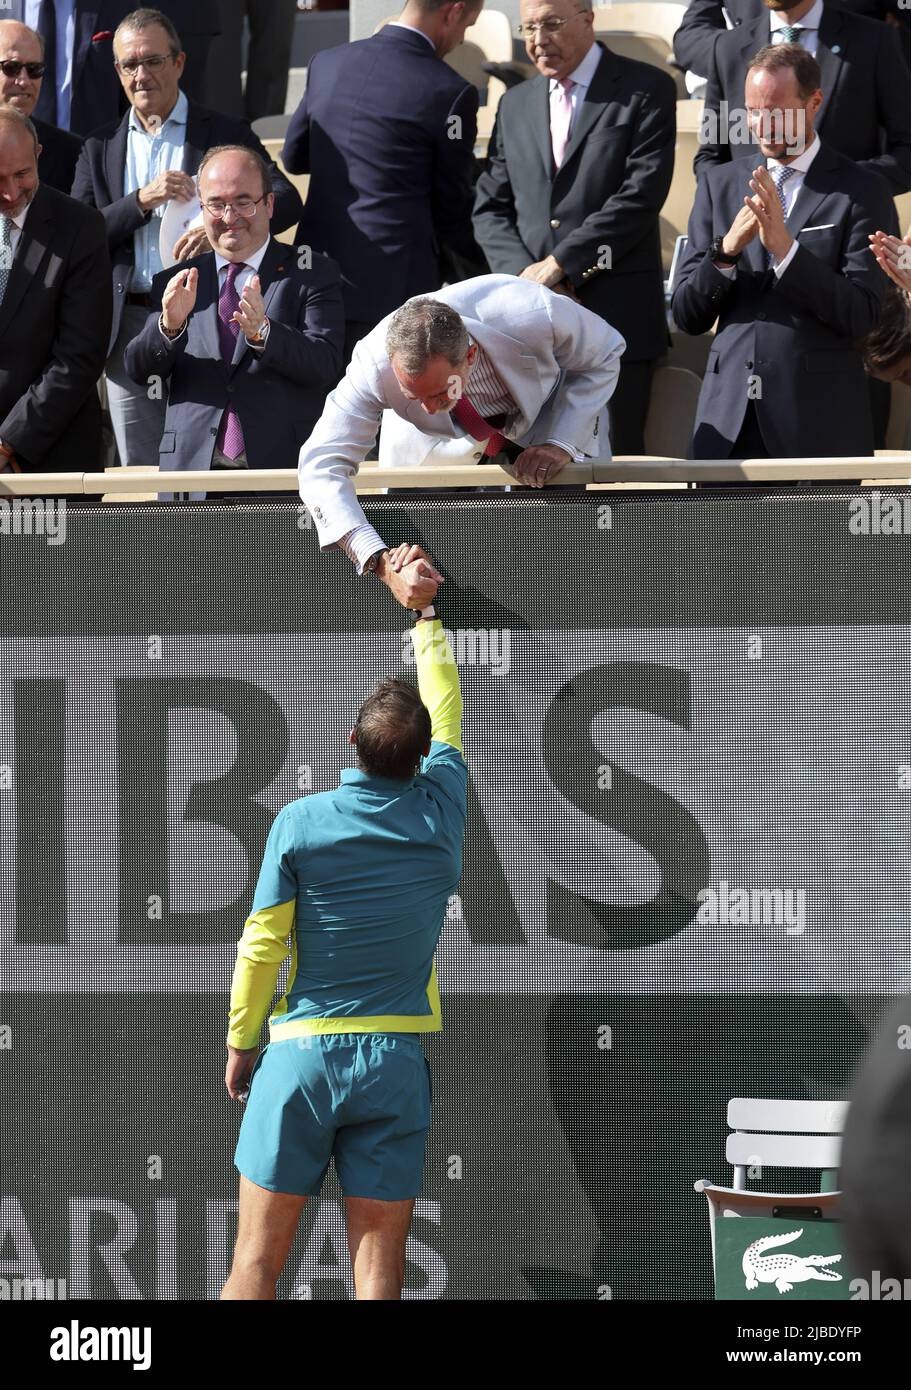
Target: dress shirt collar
pixel 810 20
pixel 254 261
pixel 801 164
pixel 19 220
pixel 397 24
pixel 177 117
pixel 583 74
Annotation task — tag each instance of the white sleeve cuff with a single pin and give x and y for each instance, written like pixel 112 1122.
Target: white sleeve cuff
pixel 576 455
pixel 360 544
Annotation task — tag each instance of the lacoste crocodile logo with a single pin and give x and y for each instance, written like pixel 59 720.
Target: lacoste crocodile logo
pixel 784 1271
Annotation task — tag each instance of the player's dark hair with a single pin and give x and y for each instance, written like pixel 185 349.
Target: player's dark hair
pixel 392 730
pixel 890 340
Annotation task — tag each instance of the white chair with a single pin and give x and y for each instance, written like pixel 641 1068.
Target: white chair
pixel 488 40
pixel 644 32
pixel 778 1134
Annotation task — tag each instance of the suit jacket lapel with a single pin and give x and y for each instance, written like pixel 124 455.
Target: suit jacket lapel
pixel 199 122
pixel 596 97
pixel 817 184
pixel 205 314
pixel 541 124
pixel 34 242
pixel 830 56
pixel 115 158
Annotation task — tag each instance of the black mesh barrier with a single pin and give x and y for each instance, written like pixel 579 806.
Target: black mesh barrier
pixel 686 864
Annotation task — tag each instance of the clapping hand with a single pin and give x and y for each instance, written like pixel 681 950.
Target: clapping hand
pixel 766 205
pixel 894 257
pixel 251 312
pixel 179 299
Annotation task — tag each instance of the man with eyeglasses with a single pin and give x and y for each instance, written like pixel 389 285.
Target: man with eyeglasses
pixel 248 340
pixel 22 71
pixel 579 166
pixel 132 171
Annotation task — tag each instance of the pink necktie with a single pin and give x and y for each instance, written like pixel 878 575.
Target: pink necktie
pixel 561 115
pixel 230 437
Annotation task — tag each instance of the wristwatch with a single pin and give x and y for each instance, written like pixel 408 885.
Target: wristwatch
pixel 426 614
pixel 371 565
pixel 717 253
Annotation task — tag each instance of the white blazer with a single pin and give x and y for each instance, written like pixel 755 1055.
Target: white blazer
pixel 558 361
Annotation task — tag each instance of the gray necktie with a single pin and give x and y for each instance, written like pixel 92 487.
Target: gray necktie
pixel 6 253
pixel 790 33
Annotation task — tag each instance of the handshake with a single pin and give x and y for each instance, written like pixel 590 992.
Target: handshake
pixel 410 575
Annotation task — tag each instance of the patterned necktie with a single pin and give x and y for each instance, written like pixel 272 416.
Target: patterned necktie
pixel 6 253
pixel 790 33
pixel 780 175
pixel 479 428
pixel 230 439
pixel 561 115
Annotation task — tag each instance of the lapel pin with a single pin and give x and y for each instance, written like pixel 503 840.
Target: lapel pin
pixel 836 48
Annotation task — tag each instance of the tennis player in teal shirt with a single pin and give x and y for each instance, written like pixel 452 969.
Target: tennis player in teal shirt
pixel 354 885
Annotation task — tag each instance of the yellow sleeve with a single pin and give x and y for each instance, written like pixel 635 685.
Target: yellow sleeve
pixel 438 681
pixel 263 946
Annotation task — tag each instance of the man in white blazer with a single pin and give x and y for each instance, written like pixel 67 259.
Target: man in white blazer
pixel 492 365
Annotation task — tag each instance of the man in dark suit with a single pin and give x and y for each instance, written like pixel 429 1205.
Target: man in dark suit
pixel 587 223
pixel 131 171
pixel 248 341
pixel 866 111
pixel 21 65
pixel 875 1170
pixel 55 314
pixel 694 41
pixel 81 92
pixel 386 131
pixel 782 261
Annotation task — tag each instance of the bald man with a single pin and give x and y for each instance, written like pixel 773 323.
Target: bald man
pixel 22 72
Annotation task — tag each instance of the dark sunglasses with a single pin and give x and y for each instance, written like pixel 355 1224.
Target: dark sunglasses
pixel 11 68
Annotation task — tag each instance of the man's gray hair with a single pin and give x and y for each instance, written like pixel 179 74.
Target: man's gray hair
pixel 147 18
pixel 425 328
pixel 11 117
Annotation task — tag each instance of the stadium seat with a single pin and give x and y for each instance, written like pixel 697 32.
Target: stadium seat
pixel 487 40
pixel 801 1134
pixel 678 205
pixel 671 412
pixel 645 32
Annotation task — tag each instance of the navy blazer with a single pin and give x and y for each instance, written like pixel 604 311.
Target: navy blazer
pixel 54 324
pixel 694 41
pixel 386 131
pixel 794 338
pixel 866 111
pixel 608 192
pixel 101 171
pixel 278 394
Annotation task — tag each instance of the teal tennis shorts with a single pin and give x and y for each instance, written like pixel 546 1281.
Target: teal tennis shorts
pixel 362 1098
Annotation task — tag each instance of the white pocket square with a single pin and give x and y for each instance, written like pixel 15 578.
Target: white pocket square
pixel 824 227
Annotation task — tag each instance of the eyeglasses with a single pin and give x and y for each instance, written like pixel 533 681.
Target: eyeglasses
pixel 11 68
pixel 548 26
pixel 244 206
pixel 132 65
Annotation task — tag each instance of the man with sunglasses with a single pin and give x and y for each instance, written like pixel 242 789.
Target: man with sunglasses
pixel 22 71
pixel 248 340
pixel 132 171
